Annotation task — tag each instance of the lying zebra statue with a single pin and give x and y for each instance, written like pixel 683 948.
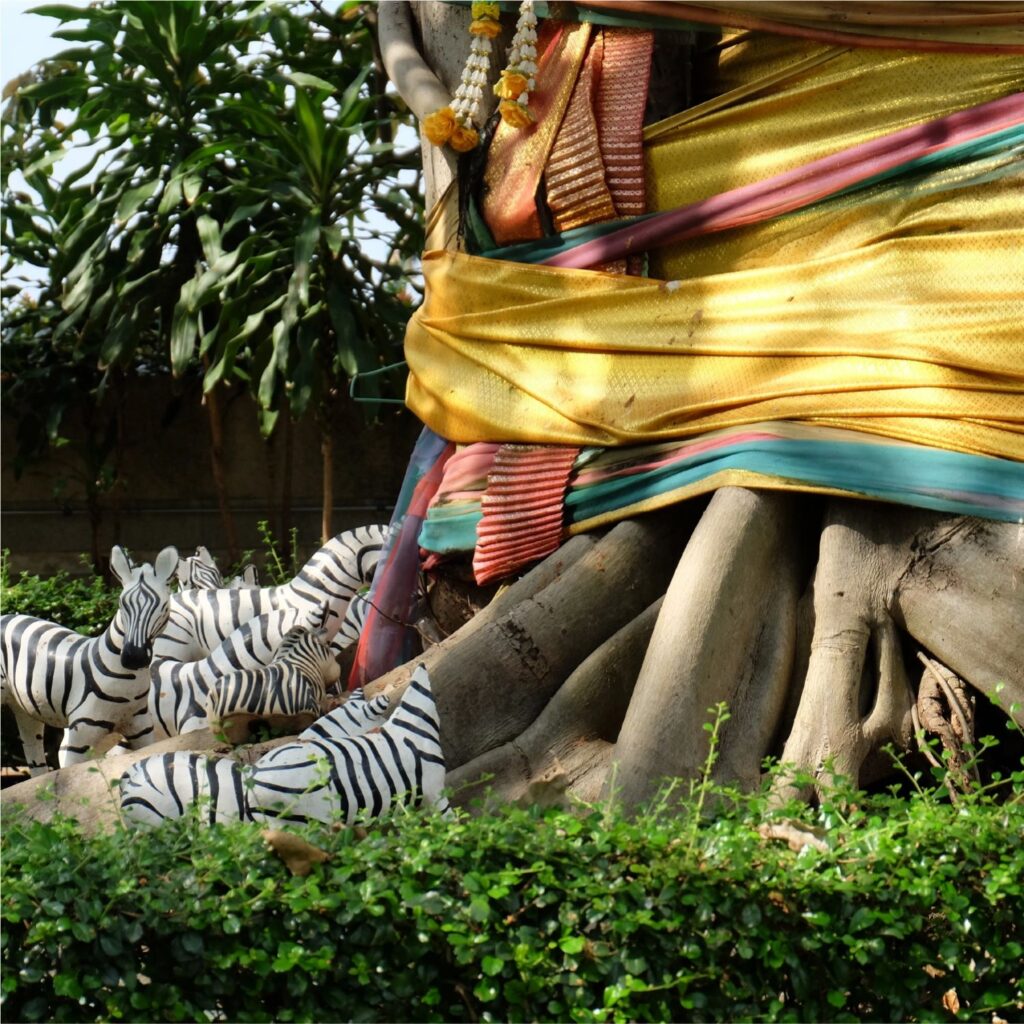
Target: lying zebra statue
pixel 340 769
pixel 200 572
pixel 288 694
pixel 90 687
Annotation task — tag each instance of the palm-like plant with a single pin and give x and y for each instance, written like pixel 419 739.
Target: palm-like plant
pixel 226 213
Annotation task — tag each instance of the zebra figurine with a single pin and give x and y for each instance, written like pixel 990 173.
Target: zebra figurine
pixel 200 572
pixel 163 786
pixel 88 686
pixel 202 619
pixel 288 693
pixel 180 689
pixel 327 777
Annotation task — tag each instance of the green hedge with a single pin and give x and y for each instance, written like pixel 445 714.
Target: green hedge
pixel 83 603
pixel 529 915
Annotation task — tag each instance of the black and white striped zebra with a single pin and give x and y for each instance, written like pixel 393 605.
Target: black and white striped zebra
pixel 164 786
pixel 200 572
pixel 89 686
pixel 180 690
pixel 327 778
pixel 202 619
pixel 287 694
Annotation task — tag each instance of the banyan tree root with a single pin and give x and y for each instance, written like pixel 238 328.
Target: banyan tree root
pixel 497 680
pixel 825 672
pixel 945 709
pixel 393 683
pixel 951 582
pixel 568 747
pixel 726 633
pixel 856 695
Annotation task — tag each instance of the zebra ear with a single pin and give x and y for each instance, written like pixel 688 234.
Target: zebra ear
pixel 121 565
pixel 166 564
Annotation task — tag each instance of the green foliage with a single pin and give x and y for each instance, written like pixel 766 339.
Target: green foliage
pixel 530 915
pixel 240 159
pixel 83 603
pixel 280 566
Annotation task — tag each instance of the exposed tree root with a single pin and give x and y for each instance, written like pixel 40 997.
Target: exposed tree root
pixel 569 745
pixel 497 680
pixel 726 632
pixel 945 709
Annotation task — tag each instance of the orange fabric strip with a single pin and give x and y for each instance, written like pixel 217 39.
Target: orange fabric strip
pixel 574 177
pixel 518 156
pixel 998 33
pixel 621 100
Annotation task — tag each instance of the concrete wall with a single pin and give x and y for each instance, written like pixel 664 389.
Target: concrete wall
pixel 169 497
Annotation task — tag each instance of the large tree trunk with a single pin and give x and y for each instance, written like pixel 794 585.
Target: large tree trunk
pixel 803 628
pixel 595 674
pixel 215 416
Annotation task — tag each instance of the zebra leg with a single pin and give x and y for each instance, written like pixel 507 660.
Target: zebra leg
pixel 31 732
pixel 80 739
pixel 140 732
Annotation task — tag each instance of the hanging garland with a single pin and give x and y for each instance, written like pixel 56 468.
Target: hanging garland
pixel 457 125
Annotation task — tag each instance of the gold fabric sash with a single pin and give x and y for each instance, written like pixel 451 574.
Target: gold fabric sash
pixel 897 311
pixel 915 338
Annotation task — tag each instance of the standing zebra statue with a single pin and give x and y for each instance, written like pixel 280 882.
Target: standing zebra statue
pixel 200 572
pixel 287 694
pixel 202 619
pixel 336 770
pixel 90 687
pixel 161 787
pixel 180 689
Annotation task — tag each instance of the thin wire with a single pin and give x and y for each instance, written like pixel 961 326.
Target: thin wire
pixel 373 373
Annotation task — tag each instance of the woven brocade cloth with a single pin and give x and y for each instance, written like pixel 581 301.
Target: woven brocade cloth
pixel 849 273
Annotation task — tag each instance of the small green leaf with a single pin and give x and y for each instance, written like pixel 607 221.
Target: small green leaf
pixel 492 965
pixel 303 78
pixel 191 186
pixel 572 944
pixel 134 198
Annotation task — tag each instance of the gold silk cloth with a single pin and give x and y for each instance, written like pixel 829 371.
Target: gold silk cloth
pixel 897 311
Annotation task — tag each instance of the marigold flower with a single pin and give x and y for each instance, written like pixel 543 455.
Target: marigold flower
pixel 485 9
pixel 511 85
pixel 464 139
pixel 438 126
pixel 514 114
pixel 485 27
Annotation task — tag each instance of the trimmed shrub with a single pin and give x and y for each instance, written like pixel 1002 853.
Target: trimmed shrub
pixel 82 603
pixel 909 910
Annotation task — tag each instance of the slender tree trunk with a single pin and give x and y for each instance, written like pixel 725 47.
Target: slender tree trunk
pixel 287 476
pixel 215 413
pixel 118 483
pixel 327 456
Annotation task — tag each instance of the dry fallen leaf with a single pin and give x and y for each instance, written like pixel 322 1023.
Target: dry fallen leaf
pixel 934 972
pixel 298 855
pixel 951 1001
